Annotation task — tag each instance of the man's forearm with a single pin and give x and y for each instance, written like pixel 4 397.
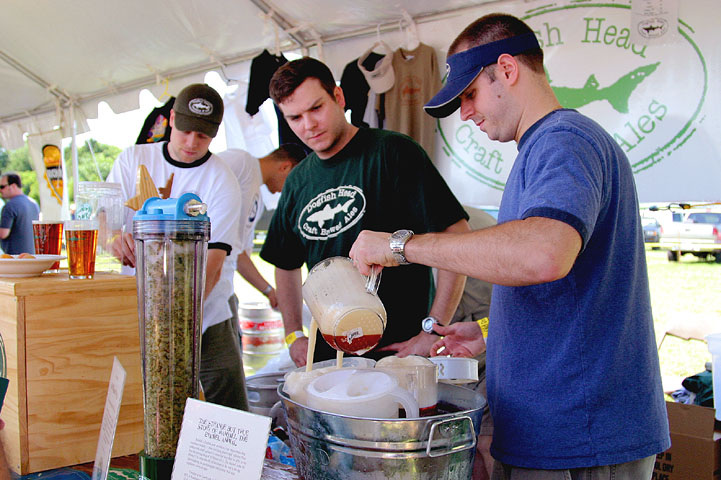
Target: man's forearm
pixel 250 273
pixel 450 285
pixel 213 268
pixel 290 298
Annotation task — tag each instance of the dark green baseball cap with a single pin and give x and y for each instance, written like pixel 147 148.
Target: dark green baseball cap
pixel 198 108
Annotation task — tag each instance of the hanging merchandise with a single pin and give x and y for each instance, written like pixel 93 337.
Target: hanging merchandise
pixel 417 79
pixel 156 127
pixel 380 78
pixel 358 80
pixel 262 69
pixel 355 86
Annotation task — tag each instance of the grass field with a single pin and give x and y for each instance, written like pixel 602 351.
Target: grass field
pixel 687 290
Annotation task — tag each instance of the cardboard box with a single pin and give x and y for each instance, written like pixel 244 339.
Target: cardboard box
pixel 695 448
pixel 60 337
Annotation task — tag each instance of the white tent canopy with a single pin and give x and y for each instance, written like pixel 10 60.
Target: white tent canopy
pixel 658 101
pixel 54 54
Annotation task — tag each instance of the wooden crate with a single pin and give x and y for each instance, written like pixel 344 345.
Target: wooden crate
pixel 60 337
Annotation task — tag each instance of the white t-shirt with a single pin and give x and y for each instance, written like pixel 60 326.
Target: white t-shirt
pixel 247 170
pixel 210 179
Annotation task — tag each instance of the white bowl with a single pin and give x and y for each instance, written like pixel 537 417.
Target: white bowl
pixel 456 370
pixel 27 267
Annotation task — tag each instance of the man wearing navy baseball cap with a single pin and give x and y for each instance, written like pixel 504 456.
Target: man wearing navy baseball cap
pixel 574 384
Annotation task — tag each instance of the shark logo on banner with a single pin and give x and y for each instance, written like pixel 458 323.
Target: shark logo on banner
pixel 635 96
pixel 332 212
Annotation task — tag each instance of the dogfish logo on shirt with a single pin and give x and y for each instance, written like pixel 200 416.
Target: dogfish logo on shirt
pixel 332 212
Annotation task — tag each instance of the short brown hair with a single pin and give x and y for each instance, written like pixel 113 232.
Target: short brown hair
pixel 291 75
pixel 497 26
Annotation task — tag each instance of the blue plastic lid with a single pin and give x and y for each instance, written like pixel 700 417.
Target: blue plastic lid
pixel 173 209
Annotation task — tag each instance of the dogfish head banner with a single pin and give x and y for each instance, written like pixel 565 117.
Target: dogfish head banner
pixel 658 101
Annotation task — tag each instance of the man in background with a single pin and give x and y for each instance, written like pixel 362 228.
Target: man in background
pixel 271 171
pixel 184 164
pixel 16 219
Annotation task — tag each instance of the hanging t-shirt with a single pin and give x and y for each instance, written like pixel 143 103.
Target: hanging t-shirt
pixel 262 69
pixel 156 127
pixel 417 80
pixel 356 88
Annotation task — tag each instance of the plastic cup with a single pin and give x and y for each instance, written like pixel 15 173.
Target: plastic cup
pixel 81 241
pixel 714 346
pixel 48 237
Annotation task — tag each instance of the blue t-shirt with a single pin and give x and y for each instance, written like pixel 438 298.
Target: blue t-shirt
pixel 18 215
pixel 572 367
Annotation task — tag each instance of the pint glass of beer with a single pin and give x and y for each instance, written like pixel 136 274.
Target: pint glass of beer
pixel 81 240
pixel 48 238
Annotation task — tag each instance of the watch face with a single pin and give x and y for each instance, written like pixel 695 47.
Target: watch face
pixel 427 324
pixel 401 235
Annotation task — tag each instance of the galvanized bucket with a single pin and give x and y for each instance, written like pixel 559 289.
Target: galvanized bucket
pixel 328 446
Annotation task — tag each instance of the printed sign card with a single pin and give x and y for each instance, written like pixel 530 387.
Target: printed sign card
pixel 110 421
pixel 220 443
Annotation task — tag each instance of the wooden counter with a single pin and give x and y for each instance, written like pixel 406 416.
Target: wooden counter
pixel 59 337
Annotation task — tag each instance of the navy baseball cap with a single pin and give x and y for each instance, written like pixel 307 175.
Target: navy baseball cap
pixel 463 67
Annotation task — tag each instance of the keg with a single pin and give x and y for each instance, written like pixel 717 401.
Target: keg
pixel 263 336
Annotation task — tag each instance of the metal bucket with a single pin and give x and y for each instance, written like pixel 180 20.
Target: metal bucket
pixel 327 446
pixel 263 392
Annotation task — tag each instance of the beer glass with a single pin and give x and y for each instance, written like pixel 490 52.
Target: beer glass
pixel 48 237
pixel 81 240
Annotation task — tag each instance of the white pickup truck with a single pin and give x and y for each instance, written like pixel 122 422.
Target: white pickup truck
pixel 698 233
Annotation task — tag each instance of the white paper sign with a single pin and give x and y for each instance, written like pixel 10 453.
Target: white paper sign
pixel 220 443
pixel 110 421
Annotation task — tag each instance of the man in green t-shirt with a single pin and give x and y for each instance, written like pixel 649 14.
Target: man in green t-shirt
pixel 356 179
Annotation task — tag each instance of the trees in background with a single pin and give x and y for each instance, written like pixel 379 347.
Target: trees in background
pixel 88 169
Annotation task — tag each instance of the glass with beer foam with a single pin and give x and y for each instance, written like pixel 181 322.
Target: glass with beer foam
pixel 345 304
pixel 81 241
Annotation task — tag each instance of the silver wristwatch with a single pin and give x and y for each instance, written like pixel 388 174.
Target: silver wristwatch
pixel 398 244
pixel 427 324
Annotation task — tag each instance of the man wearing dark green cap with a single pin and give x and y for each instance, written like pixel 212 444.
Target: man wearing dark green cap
pixel 184 164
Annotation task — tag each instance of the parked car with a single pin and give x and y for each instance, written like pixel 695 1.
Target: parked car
pixel 651 231
pixel 699 233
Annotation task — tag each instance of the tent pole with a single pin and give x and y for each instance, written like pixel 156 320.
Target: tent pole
pixel 74 150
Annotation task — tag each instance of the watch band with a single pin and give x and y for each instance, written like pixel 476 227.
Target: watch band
pixel 267 290
pixel 397 243
pixel 293 336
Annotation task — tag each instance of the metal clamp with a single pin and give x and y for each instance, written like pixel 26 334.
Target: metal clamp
pixel 194 208
pixel 447 429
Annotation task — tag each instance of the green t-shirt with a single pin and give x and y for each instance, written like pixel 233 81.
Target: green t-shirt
pixel 380 181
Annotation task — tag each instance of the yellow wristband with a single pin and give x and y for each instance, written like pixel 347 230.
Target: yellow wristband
pixel 483 323
pixel 293 336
